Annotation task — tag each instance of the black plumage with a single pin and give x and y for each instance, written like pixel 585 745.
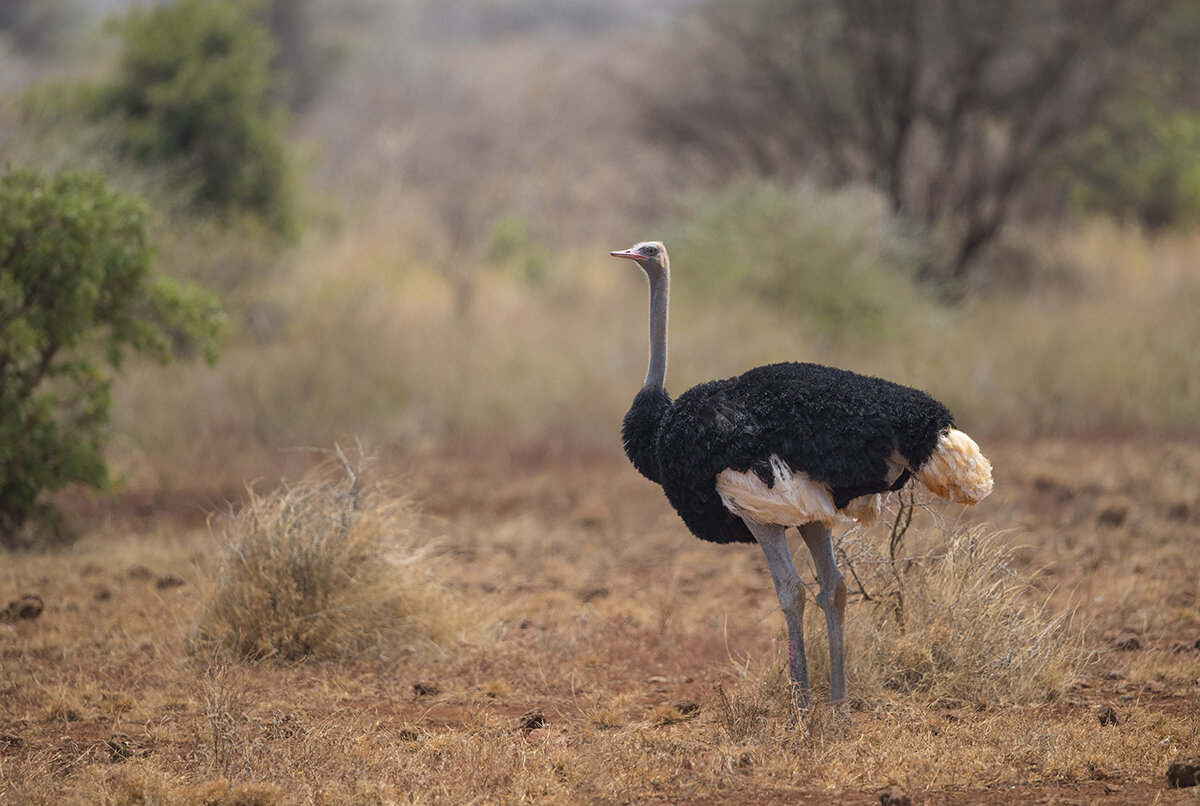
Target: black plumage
pixel 838 427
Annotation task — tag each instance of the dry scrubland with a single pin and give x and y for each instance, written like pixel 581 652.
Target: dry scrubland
pixel 498 609
pixel 501 610
pixel 563 640
pixel 362 339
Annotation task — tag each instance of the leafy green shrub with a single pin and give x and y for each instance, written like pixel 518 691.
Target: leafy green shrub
pixel 1146 168
pixel 835 258
pixel 511 246
pixel 194 91
pixel 76 293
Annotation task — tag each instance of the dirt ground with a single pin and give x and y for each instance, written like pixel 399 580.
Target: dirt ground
pixel 620 651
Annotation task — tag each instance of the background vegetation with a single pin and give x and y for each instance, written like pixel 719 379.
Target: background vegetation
pixel 78 294
pixel 405 209
pixel 457 214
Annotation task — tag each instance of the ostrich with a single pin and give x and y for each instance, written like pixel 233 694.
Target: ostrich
pixel 790 444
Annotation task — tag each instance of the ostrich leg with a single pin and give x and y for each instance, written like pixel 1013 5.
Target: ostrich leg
pixel 832 600
pixel 791 601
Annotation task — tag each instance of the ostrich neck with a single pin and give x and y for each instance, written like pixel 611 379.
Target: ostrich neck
pixel 660 284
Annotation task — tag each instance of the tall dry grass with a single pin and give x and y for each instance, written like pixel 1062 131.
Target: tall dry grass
pixel 363 338
pixel 946 621
pixel 958 624
pixel 328 568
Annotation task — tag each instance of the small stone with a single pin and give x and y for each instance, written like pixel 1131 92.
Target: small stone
pixel 168 581
pixel 120 748
pixel 531 720
pixel 1113 514
pixel 1108 716
pixel 28 606
pixel 1127 642
pixel 1180 511
pixel 425 688
pixel 1183 773
pixel 687 708
pixel 894 796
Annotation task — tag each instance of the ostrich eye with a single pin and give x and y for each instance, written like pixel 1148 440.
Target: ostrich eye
pixel 650 251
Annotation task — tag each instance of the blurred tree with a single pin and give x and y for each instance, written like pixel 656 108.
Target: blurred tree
pixel 291 30
pixel 1141 160
pixel 777 243
pixel 301 61
pixel 1144 165
pixel 76 293
pixel 512 246
pixel 37 26
pixel 194 89
pixel 949 107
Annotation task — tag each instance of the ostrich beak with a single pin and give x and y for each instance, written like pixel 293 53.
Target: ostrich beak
pixel 629 253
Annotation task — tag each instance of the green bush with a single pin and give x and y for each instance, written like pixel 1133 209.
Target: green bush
pixel 193 90
pixel 512 247
pixel 837 259
pixel 76 294
pixel 1145 168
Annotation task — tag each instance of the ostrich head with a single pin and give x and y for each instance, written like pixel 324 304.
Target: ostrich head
pixel 650 255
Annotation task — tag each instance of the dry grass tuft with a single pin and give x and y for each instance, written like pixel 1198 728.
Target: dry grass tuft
pixel 327 568
pixel 137 788
pixel 224 696
pixel 756 709
pixel 956 623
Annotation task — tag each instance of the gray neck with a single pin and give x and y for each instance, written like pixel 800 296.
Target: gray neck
pixel 660 290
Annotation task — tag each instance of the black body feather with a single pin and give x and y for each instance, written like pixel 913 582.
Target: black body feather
pixel 839 427
pixel 639 431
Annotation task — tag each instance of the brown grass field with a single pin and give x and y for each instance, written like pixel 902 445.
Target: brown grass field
pixel 654 660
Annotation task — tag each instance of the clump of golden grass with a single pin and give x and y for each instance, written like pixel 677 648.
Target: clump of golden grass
pixel 327 567
pixel 224 698
pixel 953 621
pixel 957 632
pixel 970 635
pixel 752 709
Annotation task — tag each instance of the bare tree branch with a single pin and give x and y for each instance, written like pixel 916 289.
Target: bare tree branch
pixel 949 107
